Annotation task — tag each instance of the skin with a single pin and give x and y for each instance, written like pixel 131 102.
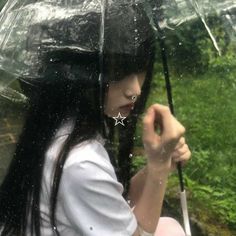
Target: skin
pixel 163 150
pixel 120 93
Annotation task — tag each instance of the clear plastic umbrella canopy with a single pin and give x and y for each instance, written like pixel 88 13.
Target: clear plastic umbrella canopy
pixel 32 34
pixel 30 30
pixel 35 35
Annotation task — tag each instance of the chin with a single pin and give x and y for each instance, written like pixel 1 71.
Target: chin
pixel 116 113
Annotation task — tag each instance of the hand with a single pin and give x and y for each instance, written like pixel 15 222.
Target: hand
pixel 180 154
pixel 167 147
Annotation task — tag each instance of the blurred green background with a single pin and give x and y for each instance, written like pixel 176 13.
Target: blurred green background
pixel 204 92
pixel 204 96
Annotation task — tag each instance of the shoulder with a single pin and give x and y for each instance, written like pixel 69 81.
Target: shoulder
pixel 88 151
pixel 87 160
pixel 88 169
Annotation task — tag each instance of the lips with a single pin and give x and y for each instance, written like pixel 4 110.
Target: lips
pixel 129 106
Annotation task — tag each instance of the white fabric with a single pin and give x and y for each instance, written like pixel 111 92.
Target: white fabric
pixel 90 201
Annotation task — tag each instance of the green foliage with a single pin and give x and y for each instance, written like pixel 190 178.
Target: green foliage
pixel 206 106
pixel 218 201
pixel 138 163
pixel 204 92
pixel 191 49
pixel 2 3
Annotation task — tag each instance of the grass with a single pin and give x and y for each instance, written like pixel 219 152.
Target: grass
pixel 206 105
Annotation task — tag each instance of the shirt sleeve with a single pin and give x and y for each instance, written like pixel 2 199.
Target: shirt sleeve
pixel 91 197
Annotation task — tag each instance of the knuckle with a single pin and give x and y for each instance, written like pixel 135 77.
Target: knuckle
pixel 176 135
pixel 161 108
pixel 145 120
pixel 190 154
pixel 166 109
pixel 186 147
pixel 181 131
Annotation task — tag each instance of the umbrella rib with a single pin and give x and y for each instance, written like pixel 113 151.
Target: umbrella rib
pixel 169 92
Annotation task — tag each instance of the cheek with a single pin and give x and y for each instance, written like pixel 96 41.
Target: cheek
pixel 110 97
pixel 113 93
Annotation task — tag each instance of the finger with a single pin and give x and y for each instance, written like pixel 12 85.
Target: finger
pixel 176 155
pixel 148 126
pixel 185 157
pixel 180 144
pixel 172 130
pixel 180 151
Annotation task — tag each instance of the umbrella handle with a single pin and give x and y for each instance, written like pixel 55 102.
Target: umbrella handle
pixel 169 96
pixel 185 213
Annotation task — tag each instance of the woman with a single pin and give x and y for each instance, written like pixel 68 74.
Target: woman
pixel 61 180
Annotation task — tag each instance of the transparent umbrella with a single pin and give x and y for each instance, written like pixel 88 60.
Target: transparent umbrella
pixel 20 55
pixel 28 35
pixel 28 39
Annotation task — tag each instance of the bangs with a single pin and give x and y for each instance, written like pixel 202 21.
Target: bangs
pixel 117 66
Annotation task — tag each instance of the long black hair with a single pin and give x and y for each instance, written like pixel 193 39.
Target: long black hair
pixel 69 89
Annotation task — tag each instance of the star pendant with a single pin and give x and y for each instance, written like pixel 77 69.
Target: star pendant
pixel 119 119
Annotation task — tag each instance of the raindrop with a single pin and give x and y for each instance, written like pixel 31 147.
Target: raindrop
pixel 180 43
pixel 136 38
pixel 135 30
pixel 54 228
pixel 135 19
pixel 51 59
pixel 130 155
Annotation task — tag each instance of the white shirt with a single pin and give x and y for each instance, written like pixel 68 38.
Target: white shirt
pixel 90 201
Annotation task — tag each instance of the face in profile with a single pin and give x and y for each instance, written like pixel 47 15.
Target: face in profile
pixel 123 94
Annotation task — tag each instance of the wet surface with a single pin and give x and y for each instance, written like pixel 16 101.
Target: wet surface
pixel 10 127
pixel 180 20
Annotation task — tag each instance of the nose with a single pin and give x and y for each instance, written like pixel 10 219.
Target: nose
pixel 133 87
